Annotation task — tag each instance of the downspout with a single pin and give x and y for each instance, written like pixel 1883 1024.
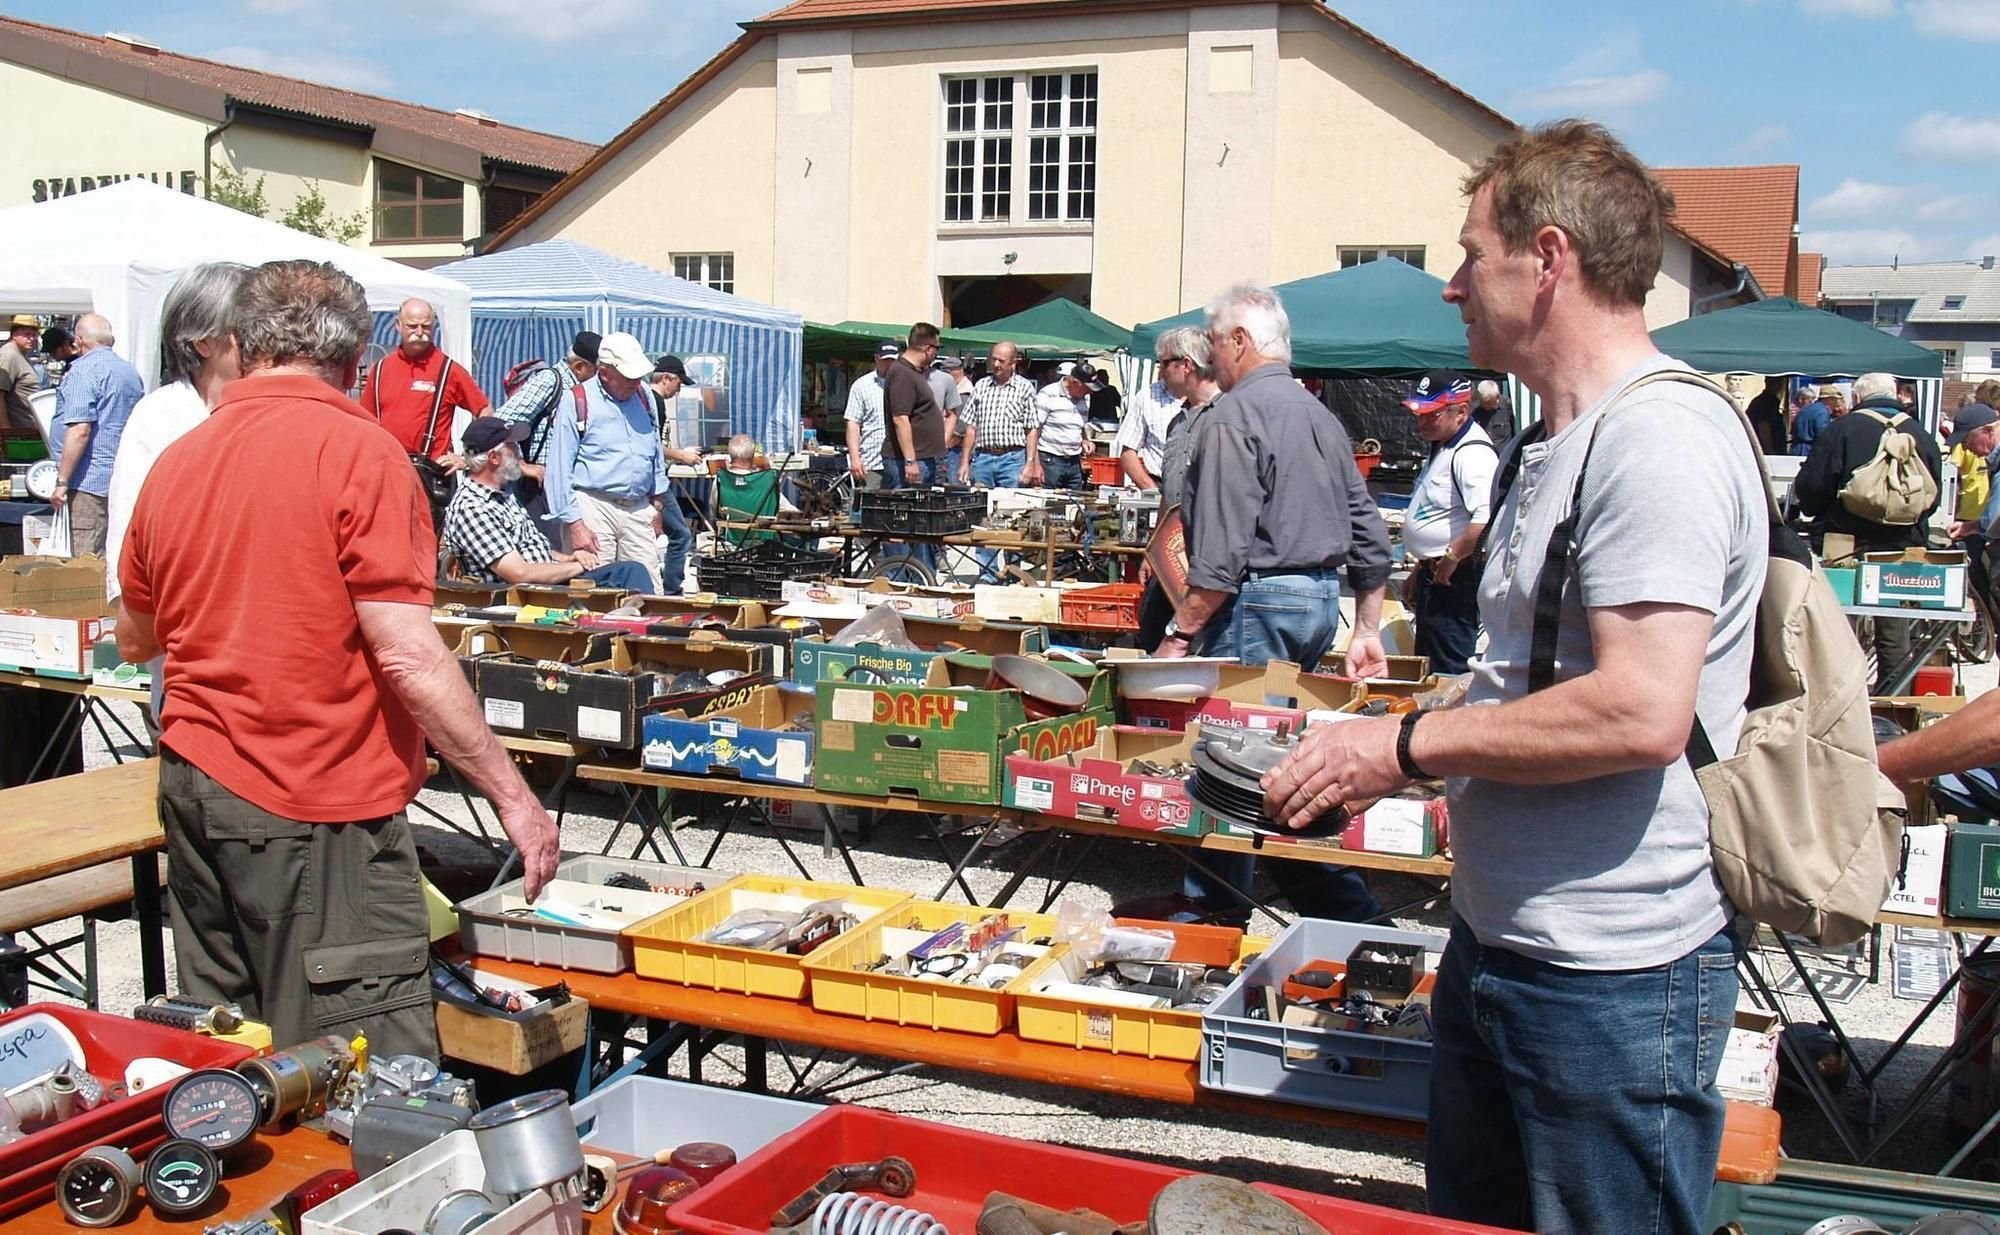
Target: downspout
pixel 1745 281
pixel 208 148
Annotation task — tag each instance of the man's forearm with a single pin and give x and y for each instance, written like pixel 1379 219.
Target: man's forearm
pixel 1200 604
pixel 1368 613
pixel 971 440
pixel 1135 469
pixel 1576 730
pixel 432 687
pixel 1969 738
pixel 905 440
pixel 76 438
pixel 1463 544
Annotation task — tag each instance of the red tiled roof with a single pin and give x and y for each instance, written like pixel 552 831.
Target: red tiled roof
pixel 1747 214
pixel 85 57
pixel 1809 268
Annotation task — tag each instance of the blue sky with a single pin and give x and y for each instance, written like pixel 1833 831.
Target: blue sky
pixel 1879 101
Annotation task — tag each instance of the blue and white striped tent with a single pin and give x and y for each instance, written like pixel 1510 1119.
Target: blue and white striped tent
pixel 528 303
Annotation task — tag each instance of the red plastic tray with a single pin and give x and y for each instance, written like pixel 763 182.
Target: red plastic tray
pixel 28 1167
pixel 957 1168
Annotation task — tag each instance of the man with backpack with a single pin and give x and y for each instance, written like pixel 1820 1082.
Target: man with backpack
pixel 1585 997
pixel 1449 507
pixel 1873 475
pixel 535 389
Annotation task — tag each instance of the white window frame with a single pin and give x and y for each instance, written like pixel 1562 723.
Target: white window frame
pixel 1365 253
pixel 712 270
pixel 1949 355
pixel 999 142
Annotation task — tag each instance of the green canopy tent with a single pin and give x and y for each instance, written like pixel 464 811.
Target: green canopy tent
pixel 1783 337
pixel 1378 317
pixel 1054 321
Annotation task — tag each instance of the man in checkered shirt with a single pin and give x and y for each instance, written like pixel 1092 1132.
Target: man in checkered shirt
pixel 534 406
pixel 492 535
pixel 1002 427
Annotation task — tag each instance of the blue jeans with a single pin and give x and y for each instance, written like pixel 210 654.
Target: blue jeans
pixel 673 564
pixel 1447 616
pixel 1062 471
pixel 998 470
pixel 929 472
pixel 1279 617
pixel 626 576
pixel 1569 1100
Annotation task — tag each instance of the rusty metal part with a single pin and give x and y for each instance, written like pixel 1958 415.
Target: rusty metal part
pixel 890 1176
pixel 1197 1204
pixel 1010 1215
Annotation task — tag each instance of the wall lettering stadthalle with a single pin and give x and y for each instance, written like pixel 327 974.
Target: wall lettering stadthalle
pixel 70 186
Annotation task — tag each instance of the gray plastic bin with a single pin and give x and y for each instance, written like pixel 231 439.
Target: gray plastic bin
pixel 1373 1074
pixel 642 1115
pixel 485 931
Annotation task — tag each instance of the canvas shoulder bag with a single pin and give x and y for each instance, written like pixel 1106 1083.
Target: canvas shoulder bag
pixel 1804 830
pixel 1893 487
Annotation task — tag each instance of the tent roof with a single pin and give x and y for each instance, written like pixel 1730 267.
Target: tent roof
pixel 1060 318
pixel 558 274
pixel 1783 336
pixel 853 340
pixel 1380 316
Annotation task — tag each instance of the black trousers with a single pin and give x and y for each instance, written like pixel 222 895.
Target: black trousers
pixel 1447 616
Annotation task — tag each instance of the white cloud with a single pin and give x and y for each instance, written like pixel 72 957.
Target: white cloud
pixel 1764 138
pixel 563 21
pixel 327 68
pixel 1848 8
pixel 1953 138
pixel 1985 246
pixel 1951 208
pixel 1957 19
pixel 1872 245
pixel 1859 199
pixel 1609 92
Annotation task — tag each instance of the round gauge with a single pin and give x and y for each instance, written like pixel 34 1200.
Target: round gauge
pixel 42 479
pixel 181 1177
pixel 98 1186
pixel 215 1107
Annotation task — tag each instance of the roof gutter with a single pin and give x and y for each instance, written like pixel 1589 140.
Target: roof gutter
pixel 1745 282
pixel 208 147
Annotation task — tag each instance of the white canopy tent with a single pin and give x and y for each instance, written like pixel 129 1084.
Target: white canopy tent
pixel 118 250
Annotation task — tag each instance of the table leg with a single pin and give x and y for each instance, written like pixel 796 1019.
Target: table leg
pixel 1059 884
pixel 152 939
pixel 957 875
pixel 756 1061
pixel 1019 877
pixel 66 731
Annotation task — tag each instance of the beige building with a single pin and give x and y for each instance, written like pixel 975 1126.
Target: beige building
pixel 422 183
pixel 957 160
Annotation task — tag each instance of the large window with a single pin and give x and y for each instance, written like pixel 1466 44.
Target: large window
pixel 414 205
pixel 717 270
pixel 1409 254
pixel 1047 122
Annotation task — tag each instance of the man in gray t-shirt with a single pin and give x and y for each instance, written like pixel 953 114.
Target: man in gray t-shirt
pixel 1583 1004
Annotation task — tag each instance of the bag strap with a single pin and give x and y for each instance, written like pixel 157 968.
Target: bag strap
pixel 582 407
pixel 437 405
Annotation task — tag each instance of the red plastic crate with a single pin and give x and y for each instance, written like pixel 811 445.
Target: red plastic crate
pixel 1114 606
pixel 1103 470
pixel 956 1168
pixel 28 1167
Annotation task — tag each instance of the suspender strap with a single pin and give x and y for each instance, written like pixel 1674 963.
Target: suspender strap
pixel 375 388
pixel 437 405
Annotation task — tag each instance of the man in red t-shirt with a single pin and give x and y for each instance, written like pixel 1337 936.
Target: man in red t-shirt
pixel 302 677
pixel 415 390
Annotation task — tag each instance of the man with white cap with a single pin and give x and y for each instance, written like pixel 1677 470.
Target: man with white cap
pixel 1449 508
pixel 607 471
pixel 1063 411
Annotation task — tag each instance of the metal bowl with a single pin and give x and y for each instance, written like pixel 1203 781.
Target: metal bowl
pixel 1045 690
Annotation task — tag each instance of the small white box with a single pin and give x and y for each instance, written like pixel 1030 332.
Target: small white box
pixel 1749 1070
pixel 1919 886
pixel 54 645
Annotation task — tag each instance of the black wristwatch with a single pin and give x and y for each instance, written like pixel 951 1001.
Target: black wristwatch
pixel 1403 757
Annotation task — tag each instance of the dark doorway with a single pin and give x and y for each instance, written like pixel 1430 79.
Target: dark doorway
pixel 968 302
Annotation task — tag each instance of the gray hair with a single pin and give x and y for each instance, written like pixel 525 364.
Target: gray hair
pixel 300 313
pixel 1189 341
pixel 1874 386
pixel 742 449
pixel 1487 389
pixel 95 329
pixel 1258 311
pixel 196 310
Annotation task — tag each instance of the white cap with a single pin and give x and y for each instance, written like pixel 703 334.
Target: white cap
pixel 622 352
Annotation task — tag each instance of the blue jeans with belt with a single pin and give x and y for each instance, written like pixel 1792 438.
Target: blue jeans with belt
pixel 626 576
pixel 996 469
pixel 1571 1100
pixel 1279 615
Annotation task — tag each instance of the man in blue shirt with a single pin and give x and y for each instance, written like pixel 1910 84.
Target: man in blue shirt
pixel 92 404
pixel 1813 419
pixel 607 473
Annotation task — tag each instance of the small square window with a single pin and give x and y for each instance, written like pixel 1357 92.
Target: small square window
pixel 1954 302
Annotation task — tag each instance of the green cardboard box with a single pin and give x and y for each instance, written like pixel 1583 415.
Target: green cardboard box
pixel 815 660
pixel 938 741
pixel 1972 871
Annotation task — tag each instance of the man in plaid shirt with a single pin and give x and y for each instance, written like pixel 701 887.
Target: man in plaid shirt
pixel 534 406
pixel 492 535
pixel 1002 427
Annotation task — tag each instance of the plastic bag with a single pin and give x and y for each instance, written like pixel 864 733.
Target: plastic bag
pixel 1096 939
pixel 881 626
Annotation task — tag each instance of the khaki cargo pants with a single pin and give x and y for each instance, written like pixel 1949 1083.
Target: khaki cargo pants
pixel 314 928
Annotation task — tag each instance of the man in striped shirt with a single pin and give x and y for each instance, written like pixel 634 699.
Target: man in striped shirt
pixel 1001 425
pixel 534 405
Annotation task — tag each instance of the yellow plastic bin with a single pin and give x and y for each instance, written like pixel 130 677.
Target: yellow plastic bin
pixel 843 985
pixel 1156 1033
pixel 669 948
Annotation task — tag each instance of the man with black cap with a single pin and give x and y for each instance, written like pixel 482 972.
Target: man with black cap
pixel 865 423
pixel 1449 508
pixel 1063 412
pixel 669 376
pixel 534 405
pixel 492 535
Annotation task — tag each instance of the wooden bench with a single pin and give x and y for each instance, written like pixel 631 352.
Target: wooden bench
pixel 90 894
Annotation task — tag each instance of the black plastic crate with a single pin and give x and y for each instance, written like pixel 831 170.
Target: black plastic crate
pixel 921 512
pixel 760 570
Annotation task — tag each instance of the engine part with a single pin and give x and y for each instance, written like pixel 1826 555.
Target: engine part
pixel 246 1226
pixel 652 1192
pixel 600 1182
pixel 98 1187
pixel 216 1107
pixel 459 1212
pixel 1954 1222
pixel 1198 1204
pixel 850 1213
pixel 387 1130
pixel 181 1177
pixel 1010 1215
pixel 1229 768
pixel 50 1102
pixel 891 1176
pixel 1844 1224
pixel 299 1080
pixel 530 1142
pixel 193 1015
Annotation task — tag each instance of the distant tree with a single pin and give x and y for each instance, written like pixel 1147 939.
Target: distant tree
pixel 308 213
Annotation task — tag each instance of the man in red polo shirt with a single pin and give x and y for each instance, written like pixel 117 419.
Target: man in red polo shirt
pixel 414 391
pixel 302 677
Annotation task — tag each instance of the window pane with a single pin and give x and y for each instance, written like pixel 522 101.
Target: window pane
pixel 443 189
pixel 395 183
pixel 396 223
pixel 445 221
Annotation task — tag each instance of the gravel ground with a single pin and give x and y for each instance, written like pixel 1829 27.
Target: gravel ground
pixel 896 853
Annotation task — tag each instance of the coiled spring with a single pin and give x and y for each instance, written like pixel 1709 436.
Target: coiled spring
pixel 850 1213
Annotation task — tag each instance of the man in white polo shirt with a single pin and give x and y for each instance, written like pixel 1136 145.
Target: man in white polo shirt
pixel 1448 512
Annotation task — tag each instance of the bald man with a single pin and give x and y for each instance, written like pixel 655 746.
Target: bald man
pixel 414 391
pixel 92 405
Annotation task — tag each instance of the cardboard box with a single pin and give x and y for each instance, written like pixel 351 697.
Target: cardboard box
pixel 1012 602
pixel 749 740
pixel 1972 871
pixel 50 646
pixel 1249 697
pixel 458 595
pixel 1405 826
pixel 706 607
pixel 1750 1060
pixel 1911 713
pixel 705 652
pixel 816 660
pixel 1097 783
pixel 576 594
pixel 552 682
pixel 466 636
pixel 516 1043
pixel 940 742
pixel 54 586
pixel 1919 886
pixel 1921 578
pixel 1842 581
pixel 108 668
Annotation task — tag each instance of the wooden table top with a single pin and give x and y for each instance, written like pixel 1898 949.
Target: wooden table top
pixel 76 686
pixel 56 826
